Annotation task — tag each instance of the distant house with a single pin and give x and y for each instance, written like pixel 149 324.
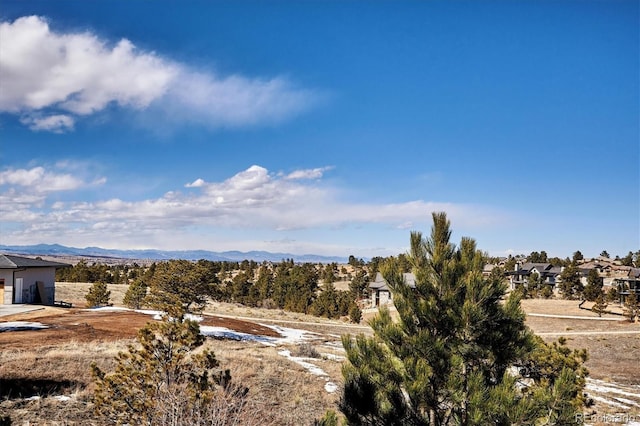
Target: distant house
pixel 547 272
pixel 607 267
pixel 380 291
pixel 629 284
pixel 27 280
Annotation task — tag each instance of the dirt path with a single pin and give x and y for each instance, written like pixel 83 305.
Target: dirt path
pixel 589 333
pixel 577 317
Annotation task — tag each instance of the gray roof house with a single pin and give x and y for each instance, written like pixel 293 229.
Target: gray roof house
pixel 27 280
pixel 546 271
pixel 629 284
pixel 380 292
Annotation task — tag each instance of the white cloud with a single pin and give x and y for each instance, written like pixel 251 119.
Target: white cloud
pixel 51 78
pixel 215 101
pixel 58 123
pixel 38 180
pixel 251 201
pixel 308 173
pixel 24 192
pixel 77 72
pixel 195 184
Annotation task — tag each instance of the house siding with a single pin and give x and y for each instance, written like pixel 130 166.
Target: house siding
pixel 30 278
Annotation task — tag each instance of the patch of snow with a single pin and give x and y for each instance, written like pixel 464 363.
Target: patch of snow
pixel 333 357
pixel 605 387
pixel 226 333
pixel 62 398
pixel 108 309
pixel 615 385
pixel 626 401
pixel 291 335
pixel 32 398
pixel 21 325
pixel 311 368
pixel 330 387
pixel 157 315
pixel 196 318
pixel 608 402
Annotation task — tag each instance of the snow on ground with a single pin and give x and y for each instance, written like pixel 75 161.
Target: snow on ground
pixel 609 402
pixel 333 357
pixel 157 315
pixel 330 387
pixel 311 368
pixel 21 325
pixel 226 333
pixel 108 309
pixel 62 398
pixel 291 335
pixel 601 386
pixel 615 396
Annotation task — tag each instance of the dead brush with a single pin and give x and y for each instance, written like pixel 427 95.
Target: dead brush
pixel 306 350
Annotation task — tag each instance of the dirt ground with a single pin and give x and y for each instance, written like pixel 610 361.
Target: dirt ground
pixel 80 325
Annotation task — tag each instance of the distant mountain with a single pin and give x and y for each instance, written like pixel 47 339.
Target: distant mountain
pixel 233 256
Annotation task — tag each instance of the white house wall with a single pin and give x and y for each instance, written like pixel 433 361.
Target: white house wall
pixel 29 277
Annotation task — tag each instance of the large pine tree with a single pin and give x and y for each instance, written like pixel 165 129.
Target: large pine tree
pixel 458 352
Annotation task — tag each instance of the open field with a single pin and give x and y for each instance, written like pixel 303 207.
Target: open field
pixel 566 308
pixel 44 374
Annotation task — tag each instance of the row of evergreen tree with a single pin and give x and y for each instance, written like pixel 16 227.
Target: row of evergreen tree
pixel 286 285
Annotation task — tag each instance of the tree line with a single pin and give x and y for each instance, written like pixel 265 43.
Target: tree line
pixel 286 285
pixel 630 259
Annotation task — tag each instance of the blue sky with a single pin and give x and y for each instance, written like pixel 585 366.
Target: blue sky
pixel 320 127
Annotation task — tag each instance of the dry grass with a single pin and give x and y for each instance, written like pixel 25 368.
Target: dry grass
pixel 237 310
pixel 75 293
pixel 543 325
pixel 565 307
pixel 47 373
pixel 282 392
pixel 611 358
pixel 288 394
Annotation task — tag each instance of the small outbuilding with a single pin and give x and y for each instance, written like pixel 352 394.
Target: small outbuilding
pixel 381 293
pixel 27 280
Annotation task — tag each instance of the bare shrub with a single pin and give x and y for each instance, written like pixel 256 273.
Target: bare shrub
pixel 269 304
pixel 307 350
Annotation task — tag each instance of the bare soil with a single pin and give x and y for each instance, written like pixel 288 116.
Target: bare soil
pixel 82 325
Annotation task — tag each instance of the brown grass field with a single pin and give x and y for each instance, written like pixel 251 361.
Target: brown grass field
pixel 45 375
